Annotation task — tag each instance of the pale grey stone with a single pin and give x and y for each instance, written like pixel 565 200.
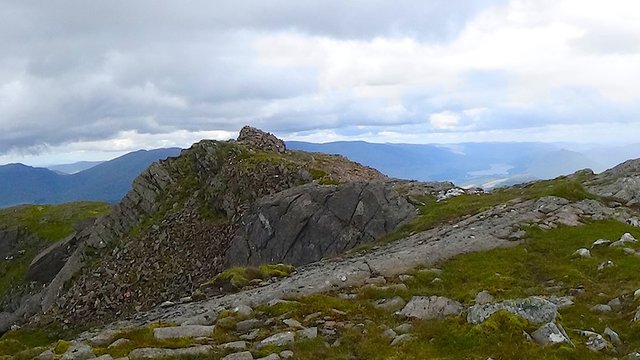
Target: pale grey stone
pixel 308 333
pixel 549 334
pixel 280 339
pixel 484 297
pixel 188 331
pixel 392 304
pixel 154 353
pixel 245 355
pixel 535 309
pixel 78 351
pixel 434 307
pixel 234 345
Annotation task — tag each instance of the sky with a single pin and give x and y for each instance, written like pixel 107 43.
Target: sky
pixel 87 80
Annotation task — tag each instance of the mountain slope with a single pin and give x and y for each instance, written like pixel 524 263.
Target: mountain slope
pixel 108 181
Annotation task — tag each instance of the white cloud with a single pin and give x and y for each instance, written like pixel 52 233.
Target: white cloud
pixel 444 120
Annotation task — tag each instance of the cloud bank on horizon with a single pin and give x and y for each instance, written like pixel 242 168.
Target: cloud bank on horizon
pixel 81 76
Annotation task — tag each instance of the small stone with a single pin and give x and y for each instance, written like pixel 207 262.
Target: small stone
pixel 167 304
pixel 615 303
pixel 613 336
pixel 393 304
pixel 601 308
pixel 389 333
pixel 549 334
pixel 293 323
pixel 582 253
pixel 46 355
pixel 245 355
pixel 597 343
pixel 605 265
pixel 308 333
pixel 405 277
pixel 600 242
pixel 78 351
pixel 250 336
pixel 186 331
pixel 436 280
pixel 119 342
pixel 270 357
pixel 312 316
pixel 629 251
pixel 286 354
pixel 242 310
pixel 380 280
pixel 429 308
pixel 484 297
pixel 103 338
pixel 154 353
pixel 249 324
pixel 104 357
pixel 403 328
pixel 186 299
pixel 401 338
pixel 234 345
pixel 280 339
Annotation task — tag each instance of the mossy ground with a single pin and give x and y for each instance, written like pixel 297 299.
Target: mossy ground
pixel 239 277
pixel 49 224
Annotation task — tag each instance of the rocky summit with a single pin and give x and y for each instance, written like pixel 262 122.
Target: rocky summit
pixel 247 250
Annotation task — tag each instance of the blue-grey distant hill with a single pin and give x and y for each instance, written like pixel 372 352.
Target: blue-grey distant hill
pixel 108 181
pixel 470 164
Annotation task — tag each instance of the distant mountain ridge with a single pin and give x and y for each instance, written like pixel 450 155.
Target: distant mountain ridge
pixel 73 168
pixel 108 181
pixel 474 164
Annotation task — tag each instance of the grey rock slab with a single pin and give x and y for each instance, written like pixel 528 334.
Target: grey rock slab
pixel 280 339
pixel 549 334
pixel 234 345
pixel 561 302
pixel 251 335
pixel 245 355
pixel 78 351
pixel 597 343
pixel 433 307
pixel 155 353
pixel 535 309
pixel 286 354
pixel 188 331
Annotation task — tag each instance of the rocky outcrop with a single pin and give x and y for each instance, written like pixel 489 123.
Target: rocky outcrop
pixel 171 231
pixel 307 223
pixel 258 139
pixel 621 182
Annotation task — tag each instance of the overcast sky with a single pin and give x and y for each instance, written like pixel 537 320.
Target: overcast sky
pixel 84 79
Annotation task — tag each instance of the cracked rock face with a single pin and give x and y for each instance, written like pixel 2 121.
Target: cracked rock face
pixel 621 182
pixel 307 223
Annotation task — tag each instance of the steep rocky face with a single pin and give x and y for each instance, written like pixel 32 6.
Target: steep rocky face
pixel 307 223
pixel 621 182
pixel 171 232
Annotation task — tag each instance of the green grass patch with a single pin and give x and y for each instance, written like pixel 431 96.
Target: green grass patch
pixel 238 277
pixel 51 222
pixel 434 213
pixel 141 338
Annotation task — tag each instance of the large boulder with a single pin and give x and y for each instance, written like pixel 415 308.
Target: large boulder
pixel 306 223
